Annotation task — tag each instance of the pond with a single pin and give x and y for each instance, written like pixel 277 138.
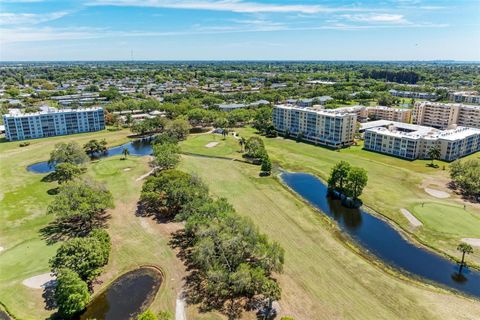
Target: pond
pixel 384 241
pixel 126 297
pixel 136 148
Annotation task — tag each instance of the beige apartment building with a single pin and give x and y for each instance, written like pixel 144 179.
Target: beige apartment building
pixel 445 115
pixel 391 114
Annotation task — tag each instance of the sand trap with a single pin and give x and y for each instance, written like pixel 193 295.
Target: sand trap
pixel 1 248
pixel 411 218
pixel 437 193
pixel 472 241
pixel 211 144
pixel 127 169
pixel 41 281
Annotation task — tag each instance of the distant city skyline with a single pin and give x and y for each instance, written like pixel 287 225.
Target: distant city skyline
pixel 54 30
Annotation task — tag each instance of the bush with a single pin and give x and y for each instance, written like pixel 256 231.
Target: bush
pixel 24 144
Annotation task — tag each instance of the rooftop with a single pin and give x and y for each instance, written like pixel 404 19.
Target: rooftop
pixel 16 113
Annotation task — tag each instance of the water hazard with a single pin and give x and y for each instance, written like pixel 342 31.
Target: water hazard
pixel 135 148
pixel 127 297
pixel 381 239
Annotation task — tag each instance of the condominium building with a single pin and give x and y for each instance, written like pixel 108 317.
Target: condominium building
pixel 325 127
pixel 465 96
pixel 413 141
pixel 388 113
pixel 52 122
pixel 413 94
pixel 444 115
pixel 378 113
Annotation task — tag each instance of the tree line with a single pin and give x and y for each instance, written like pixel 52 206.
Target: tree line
pixel 80 219
pixel 231 263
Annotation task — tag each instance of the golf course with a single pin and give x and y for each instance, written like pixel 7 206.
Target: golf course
pixel 323 274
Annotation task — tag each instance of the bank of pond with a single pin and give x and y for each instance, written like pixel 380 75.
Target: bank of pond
pixel 127 297
pixel 372 233
pixel 381 239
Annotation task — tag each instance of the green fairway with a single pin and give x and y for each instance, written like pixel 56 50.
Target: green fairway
pixel 393 184
pixel 322 276
pixel 228 147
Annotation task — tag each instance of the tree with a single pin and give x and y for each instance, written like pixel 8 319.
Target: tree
pixel 95 146
pixel 338 176
pixel 105 243
pixel 170 193
pixel 434 153
pixel 66 171
pixel 464 175
pixel 242 141
pixel 71 293
pixel 263 119
pixel 179 128
pixel 79 207
pixel 356 181
pixel 266 165
pixel 255 147
pixel 464 248
pixel 147 315
pixel 85 256
pixel 111 93
pixel 125 153
pixel 69 152
pixel 167 155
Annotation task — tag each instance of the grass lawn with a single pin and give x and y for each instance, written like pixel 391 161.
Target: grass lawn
pixel 393 184
pixel 23 201
pixel 323 279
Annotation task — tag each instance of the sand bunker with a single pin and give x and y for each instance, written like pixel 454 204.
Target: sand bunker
pixel 472 241
pixel 211 144
pixel 40 282
pixel 1 248
pixel 127 169
pixel 437 193
pixel 411 218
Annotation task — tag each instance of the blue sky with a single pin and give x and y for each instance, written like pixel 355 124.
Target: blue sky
pixel 239 30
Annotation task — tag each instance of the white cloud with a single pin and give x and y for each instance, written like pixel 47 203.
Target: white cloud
pixel 222 5
pixel 376 18
pixel 7 18
pixel 11 35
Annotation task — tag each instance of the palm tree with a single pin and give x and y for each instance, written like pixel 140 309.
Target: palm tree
pixel 434 153
pixel 242 142
pixel 464 248
pixel 125 153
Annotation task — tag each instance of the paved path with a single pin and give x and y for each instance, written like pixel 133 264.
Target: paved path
pixel 180 308
pixel 145 175
pixel 411 218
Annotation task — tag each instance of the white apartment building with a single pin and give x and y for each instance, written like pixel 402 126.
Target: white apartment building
pixel 444 115
pixel 52 122
pixel 325 127
pixel 413 141
pixel 465 96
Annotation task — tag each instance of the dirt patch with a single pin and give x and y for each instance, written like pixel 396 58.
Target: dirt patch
pixel 211 144
pixel 472 241
pixel 411 218
pixel 437 193
pixel 41 281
